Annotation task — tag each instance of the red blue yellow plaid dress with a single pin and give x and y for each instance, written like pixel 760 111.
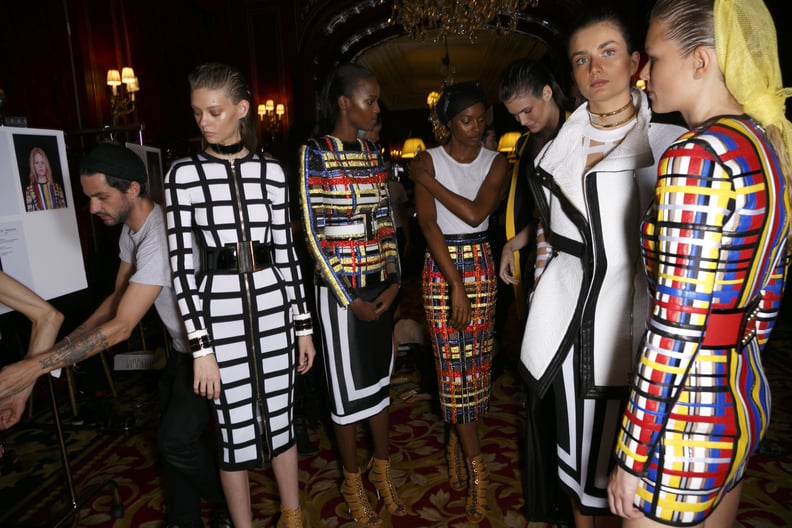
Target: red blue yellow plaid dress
pixel 714 247
pixel 463 359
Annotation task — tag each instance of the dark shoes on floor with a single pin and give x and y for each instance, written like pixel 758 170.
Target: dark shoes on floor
pixel 220 519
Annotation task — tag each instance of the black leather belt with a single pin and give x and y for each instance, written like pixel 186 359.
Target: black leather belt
pixel 480 236
pixel 374 279
pixel 566 245
pixel 242 257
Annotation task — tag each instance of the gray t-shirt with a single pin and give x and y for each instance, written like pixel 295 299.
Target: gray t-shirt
pixel 147 251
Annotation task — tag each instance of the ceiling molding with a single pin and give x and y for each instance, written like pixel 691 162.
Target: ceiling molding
pixel 360 31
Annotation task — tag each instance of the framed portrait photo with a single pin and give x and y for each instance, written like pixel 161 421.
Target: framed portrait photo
pixel 152 158
pixel 40 171
pixel 39 238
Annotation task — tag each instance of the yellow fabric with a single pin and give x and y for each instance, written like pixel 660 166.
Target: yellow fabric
pixel 511 228
pixel 747 51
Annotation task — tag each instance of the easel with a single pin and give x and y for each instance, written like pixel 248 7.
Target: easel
pixel 116 510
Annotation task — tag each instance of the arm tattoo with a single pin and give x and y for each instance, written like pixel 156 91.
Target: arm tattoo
pixel 67 352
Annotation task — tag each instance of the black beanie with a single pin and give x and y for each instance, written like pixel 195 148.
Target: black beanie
pixel 117 161
pixel 457 97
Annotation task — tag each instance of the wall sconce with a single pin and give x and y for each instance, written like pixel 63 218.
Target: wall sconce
pixel 124 84
pixel 270 117
pixel 412 146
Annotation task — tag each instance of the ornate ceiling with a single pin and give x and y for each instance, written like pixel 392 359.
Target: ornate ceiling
pixel 407 69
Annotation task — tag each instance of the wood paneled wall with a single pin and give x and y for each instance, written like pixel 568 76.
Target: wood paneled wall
pixel 55 55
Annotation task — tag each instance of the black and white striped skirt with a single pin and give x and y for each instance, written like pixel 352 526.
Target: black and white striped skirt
pixel 358 356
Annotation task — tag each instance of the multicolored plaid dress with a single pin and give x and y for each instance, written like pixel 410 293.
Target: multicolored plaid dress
pixel 714 248
pixel 463 358
pixel 349 228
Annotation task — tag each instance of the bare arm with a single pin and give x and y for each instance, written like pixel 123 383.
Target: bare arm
pixel 472 212
pixel 108 308
pixel 45 319
pixel 134 301
pixel 544 251
pixel 45 325
pixel 427 220
pixel 507 271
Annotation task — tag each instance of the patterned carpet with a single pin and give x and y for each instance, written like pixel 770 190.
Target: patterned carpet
pixel 120 445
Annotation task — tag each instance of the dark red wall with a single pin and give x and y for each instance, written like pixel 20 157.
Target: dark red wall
pixel 55 55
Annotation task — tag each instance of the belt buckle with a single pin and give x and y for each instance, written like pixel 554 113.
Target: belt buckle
pixel 749 329
pixel 362 219
pixel 245 257
pixel 369 223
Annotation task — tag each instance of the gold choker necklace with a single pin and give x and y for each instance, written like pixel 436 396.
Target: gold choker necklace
pixel 609 114
pixel 595 118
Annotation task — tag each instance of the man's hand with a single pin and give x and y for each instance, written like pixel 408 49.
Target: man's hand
pixel 206 377
pixel 306 353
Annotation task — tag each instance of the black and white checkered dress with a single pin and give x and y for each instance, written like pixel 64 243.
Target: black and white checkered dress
pixel 212 203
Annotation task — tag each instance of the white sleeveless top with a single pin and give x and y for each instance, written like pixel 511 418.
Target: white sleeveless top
pixel 464 179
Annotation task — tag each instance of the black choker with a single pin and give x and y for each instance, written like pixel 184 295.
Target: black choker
pixel 227 149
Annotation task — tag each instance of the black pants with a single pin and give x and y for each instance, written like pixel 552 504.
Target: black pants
pixel 544 499
pixel 188 462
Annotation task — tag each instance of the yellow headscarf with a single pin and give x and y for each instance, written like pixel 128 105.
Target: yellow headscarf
pixel 747 51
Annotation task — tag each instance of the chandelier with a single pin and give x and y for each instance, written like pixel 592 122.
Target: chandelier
pixel 456 17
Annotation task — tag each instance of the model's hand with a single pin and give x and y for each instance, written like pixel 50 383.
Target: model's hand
pixel 206 377
pixel 364 310
pixel 506 272
pixel 419 170
pixel 18 377
pixel 306 353
pixel 385 299
pixel 621 492
pixel 459 318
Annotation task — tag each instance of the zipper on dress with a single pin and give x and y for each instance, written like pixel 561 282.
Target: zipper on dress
pixel 245 279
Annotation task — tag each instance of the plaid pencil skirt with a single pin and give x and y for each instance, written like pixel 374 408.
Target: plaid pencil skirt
pixel 463 360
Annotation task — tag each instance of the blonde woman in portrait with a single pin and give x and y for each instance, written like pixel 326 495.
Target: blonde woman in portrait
pixel 42 193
